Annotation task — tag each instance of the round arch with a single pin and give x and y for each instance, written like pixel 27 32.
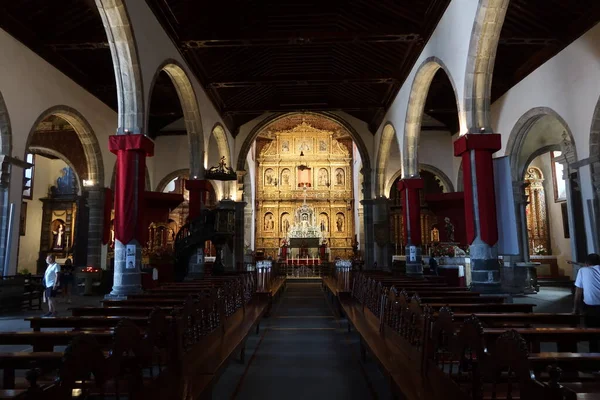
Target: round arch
pixel 170 176
pixel 594 148
pixel 44 151
pixel 518 134
pixel 128 74
pixel 87 137
pixel 444 179
pixel 387 138
pixel 414 112
pixel 218 132
pixel 191 111
pixel 485 36
pixel 362 149
pixel 5 132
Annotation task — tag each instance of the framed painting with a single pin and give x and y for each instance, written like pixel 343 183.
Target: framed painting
pixel 558 183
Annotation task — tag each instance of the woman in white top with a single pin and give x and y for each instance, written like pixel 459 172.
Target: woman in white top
pixel 51 277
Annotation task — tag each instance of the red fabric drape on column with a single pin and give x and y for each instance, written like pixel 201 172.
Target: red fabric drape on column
pixel 197 189
pixel 131 151
pixel 409 190
pixel 108 205
pixel 484 146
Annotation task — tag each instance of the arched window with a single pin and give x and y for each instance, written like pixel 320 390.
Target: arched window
pixel 537 221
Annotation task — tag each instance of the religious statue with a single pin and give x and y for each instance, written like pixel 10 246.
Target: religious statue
pixel 222 164
pixel 322 177
pixel 435 235
pixel 285 177
pixel 304 146
pixel 340 223
pixel 322 145
pixel 339 176
pixel 58 237
pixel 323 226
pixel 449 230
pixel 269 180
pixel 285 146
pixel 269 224
pixel 286 225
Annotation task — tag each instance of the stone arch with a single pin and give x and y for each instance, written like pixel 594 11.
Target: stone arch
pixel 480 64
pixel 519 133
pixel 444 179
pixel 87 137
pixel 191 111
pixel 414 112
pixel 5 132
pixel 218 132
pixel 594 149
pixel 169 177
pixel 128 74
pixel 44 151
pixel 387 138
pixel 360 145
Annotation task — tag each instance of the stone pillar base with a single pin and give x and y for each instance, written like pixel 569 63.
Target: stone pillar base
pixel 520 279
pixel 414 267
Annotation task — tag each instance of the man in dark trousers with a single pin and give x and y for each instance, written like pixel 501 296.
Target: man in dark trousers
pixel 587 288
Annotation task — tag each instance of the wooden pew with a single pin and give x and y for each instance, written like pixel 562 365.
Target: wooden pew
pixel 121 311
pixel 82 323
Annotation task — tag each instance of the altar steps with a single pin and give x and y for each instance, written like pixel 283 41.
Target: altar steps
pixel 560 281
pixel 303 279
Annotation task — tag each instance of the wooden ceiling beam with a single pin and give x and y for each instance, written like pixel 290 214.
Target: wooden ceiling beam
pixel 301 81
pixel 307 38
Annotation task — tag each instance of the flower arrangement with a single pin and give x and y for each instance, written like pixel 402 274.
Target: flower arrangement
pixel 442 250
pixel 539 250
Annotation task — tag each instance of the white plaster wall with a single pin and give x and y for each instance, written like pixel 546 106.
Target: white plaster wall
pixel 31 86
pixel 170 154
pixel 449 43
pixel 46 172
pixel 561 247
pixel 569 83
pixel 154 48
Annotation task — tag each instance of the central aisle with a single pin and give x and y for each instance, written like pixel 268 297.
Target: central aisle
pixel 303 352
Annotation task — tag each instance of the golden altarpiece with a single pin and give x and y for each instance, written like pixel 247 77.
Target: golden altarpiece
pixel 304 168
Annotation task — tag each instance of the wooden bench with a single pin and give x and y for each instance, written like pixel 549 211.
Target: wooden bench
pixel 121 311
pixel 81 323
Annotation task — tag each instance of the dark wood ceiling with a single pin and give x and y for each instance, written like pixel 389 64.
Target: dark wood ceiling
pixel 252 57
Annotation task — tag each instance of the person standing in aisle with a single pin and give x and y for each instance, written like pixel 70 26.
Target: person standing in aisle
pixel 587 295
pixel 51 281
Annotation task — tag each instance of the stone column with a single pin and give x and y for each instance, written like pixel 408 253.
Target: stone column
pixel 369 240
pixel 476 151
pixel 382 232
pixel 411 209
pixel 198 190
pixel 131 151
pixel 95 203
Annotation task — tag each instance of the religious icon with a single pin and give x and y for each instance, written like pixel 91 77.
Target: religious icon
pixel 285 146
pixel 340 222
pixel 435 235
pixel 269 223
pixel 286 225
pixel 322 177
pixel 285 177
pixel 58 235
pixel 323 223
pixel 304 146
pixel 322 145
pixel 449 230
pixel 339 176
pixel 269 177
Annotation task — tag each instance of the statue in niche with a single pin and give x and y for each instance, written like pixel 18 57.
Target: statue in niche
pixel 285 224
pixel 340 223
pixel 449 230
pixel 285 146
pixel 304 146
pixel 322 145
pixel 323 223
pixel 269 223
pixel 269 177
pixel 322 177
pixel 339 177
pixel 285 177
pixel 435 235
pixel 58 235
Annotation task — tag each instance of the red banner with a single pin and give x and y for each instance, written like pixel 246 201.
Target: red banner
pixel 411 208
pixel 196 187
pixel 131 151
